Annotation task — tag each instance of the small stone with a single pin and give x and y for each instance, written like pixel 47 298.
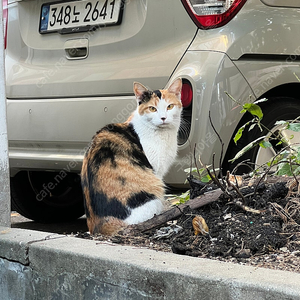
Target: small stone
pixel 227 216
pixel 243 253
pixel 284 249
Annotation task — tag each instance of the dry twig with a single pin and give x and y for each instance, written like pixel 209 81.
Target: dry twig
pixel 175 212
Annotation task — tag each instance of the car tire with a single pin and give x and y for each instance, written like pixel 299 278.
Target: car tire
pixel 47 197
pixel 275 109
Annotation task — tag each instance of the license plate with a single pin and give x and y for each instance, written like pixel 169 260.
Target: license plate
pixel 78 16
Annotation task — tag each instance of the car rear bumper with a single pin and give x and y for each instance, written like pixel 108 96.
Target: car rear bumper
pixel 52 134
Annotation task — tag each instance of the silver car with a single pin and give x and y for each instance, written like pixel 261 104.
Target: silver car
pixel 70 66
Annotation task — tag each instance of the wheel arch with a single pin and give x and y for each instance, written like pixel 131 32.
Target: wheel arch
pixel 275 97
pixel 291 90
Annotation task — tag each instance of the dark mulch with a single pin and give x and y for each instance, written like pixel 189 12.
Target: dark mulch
pixel 262 231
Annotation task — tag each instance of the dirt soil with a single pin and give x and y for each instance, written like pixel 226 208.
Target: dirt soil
pixel 262 230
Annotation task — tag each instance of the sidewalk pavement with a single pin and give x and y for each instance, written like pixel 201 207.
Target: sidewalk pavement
pixel 39 265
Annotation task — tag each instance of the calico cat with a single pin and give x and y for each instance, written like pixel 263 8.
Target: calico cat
pixel 124 166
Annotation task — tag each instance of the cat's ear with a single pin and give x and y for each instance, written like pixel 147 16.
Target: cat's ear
pixel 176 87
pixel 139 91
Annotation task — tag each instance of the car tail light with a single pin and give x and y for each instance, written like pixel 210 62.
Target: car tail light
pixel 212 13
pixel 5 19
pixel 186 94
pixel 186 121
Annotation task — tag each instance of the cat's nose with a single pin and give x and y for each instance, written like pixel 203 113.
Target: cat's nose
pixel 163 119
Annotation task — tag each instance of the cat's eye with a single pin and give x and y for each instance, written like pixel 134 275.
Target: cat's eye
pixel 170 106
pixel 152 109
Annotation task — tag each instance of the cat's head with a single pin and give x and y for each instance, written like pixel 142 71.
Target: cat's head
pixel 160 108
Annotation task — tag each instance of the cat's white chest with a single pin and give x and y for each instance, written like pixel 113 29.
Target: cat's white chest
pixel 157 130
pixel 160 147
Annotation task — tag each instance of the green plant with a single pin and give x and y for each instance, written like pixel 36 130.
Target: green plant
pixel 179 199
pixel 200 174
pixel 287 160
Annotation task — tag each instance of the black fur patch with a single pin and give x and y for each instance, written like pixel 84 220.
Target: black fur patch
pixel 139 158
pixel 136 154
pixel 127 132
pixel 104 207
pixel 158 93
pixel 84 181
pixel 108 152
pixel 138 199
pixel 122 180
pixel 146 96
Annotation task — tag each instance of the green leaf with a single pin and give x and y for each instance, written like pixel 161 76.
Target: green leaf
pixel 251 127
pixel 253 109
pixel 206 178
pixel 259 125
pixel 192 170
pixel 297 171
pixel 281 122
pixel 294 127
pixel 239 134
pixel 265 144
pixel 284 169
pixel 298 156
pixel 179 199
pixel 247 148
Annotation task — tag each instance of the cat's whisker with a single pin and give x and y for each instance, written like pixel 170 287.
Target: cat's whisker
pixel 184 130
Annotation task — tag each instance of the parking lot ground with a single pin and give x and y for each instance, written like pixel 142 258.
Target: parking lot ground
pixel 79 225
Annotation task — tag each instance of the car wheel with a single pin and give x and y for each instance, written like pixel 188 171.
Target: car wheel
pixel 47 196
pixel 275 109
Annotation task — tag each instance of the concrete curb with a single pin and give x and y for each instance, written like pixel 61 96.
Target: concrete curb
pixel 39 265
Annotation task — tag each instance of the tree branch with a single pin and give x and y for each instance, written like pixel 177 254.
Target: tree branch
pixel 175 212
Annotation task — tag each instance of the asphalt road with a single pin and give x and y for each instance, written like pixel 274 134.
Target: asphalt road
pixel 79 225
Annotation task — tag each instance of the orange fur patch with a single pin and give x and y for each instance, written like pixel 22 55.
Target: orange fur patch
pixel 106 226
pixel 109 181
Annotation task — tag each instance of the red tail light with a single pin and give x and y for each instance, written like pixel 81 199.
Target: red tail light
pixel 186 94
pixel 5 19
pixel 209 14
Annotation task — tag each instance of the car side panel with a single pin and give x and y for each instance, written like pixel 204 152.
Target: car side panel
pixel 256 29
pixel 263 76
pixel 212 75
